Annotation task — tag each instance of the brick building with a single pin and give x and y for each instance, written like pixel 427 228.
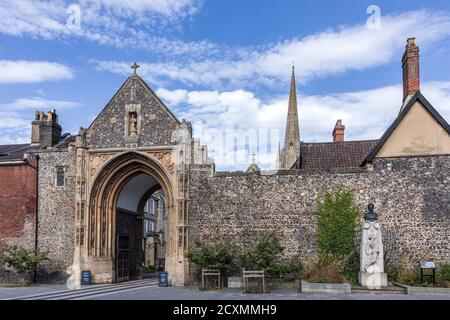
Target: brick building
pixel 92 188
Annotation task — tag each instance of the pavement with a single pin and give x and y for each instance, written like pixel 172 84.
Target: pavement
pixel 147 289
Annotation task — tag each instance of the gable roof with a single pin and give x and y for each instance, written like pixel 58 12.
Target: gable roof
pixel 417 97
pixel 330 155
pixel 148 88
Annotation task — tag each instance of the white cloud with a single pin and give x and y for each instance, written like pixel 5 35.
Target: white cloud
pixel 366 115
pixel 14 128
pixel 124 24
pixel 322 54
pixel 164 7
pixel 174 97
pixel 16 117
pixel 38 103
pixel 20 71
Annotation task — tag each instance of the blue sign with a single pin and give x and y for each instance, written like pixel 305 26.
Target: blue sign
pixel 163 279
pixel 86 277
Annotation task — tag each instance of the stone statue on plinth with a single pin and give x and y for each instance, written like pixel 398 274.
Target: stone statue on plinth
pixel 372 260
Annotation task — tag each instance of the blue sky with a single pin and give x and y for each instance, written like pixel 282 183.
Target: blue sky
pixel 222 64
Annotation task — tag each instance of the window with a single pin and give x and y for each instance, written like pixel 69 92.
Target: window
pixel 150 206
pixel 60 177
pixel 149 226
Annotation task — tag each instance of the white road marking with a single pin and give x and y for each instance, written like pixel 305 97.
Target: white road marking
pixel 90 291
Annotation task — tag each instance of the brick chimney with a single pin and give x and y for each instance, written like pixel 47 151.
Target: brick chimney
pixel 338 132
pixel 45 129
pixel 411 75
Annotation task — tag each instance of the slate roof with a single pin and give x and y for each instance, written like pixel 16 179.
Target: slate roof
pixel 329 155
pixel 64 143
pixel 13 152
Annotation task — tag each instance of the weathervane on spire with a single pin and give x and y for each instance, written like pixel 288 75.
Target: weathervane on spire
pixel 135 66
pixel 293 64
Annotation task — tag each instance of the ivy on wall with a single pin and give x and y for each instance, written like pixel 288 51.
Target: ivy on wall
pixel 337 218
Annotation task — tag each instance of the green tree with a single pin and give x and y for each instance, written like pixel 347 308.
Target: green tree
pixel 337 220
pixel 263 254
pixel 23 261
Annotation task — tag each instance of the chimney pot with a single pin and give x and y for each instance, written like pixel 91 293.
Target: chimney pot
pixel 411 69
pixel 45 129
pixel 339 132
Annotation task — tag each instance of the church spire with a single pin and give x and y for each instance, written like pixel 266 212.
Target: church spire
pixel 291 149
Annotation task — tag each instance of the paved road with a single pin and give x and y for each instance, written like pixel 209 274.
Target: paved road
pixel 147 289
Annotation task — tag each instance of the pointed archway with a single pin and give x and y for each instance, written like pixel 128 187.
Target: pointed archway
pixel 99 251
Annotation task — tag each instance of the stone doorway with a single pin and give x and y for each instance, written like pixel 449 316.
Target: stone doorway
pixel 116 210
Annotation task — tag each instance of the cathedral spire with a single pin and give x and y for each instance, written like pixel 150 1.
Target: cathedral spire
pixel 291 149
pixel 292 129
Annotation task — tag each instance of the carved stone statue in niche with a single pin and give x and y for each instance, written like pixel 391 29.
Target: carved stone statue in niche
pixel 133 124
pixel 132 118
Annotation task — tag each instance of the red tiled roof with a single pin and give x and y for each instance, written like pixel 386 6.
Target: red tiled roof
pixel 325 156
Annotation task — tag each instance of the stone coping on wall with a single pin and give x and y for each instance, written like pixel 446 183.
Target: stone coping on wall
pixel 329 288
pixel 424 290
pixel 291 172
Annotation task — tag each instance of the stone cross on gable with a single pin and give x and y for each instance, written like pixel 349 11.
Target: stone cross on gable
pixel 135 66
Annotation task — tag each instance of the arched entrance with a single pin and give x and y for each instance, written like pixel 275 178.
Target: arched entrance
pixel 113 246
pixel 140 227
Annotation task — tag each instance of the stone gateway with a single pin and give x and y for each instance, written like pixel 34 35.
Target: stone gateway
pixel 89 199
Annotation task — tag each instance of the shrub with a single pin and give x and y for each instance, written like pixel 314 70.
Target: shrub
pixel 290 271
pixel 331 272
pixel 351 268
pixel 443 275
pixel 337 220
pixel 404 271
pixel 219 255
pixel 149 268
pixel 393 272
pixel 21 260
pixel 262 255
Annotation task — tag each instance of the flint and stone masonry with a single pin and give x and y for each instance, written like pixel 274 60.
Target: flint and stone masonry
pixel 411 195
pixel 406 174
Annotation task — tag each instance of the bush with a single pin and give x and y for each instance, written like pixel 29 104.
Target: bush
pixel 21 260
pixel 262 255
pixel 219 255
pixel 332 272
pixel 393 272
pixel 351 268
pixel 149 269
pixel 404 271
pixel 443 275
pixel 291 271
pixel 337 221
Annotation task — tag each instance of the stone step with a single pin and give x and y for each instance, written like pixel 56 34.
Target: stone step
pixel 387 290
